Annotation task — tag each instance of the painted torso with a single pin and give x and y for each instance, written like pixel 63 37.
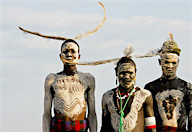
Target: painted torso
pixel 133 120
pixel 69 96
pixel 172 102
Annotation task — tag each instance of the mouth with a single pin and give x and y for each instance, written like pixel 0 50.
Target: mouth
pixel 170 71
pixel 69 58
pixel 127 81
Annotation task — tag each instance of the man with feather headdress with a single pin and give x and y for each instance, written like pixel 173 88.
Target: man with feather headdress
pixel 172 96
pixel 127 108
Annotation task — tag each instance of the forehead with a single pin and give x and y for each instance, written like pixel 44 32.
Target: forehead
pixel 69 45
pixel 126 67
pixel 169 56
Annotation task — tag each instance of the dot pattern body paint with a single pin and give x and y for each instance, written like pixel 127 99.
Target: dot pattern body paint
pixel 69 95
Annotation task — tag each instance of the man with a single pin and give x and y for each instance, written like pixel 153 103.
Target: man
pixel 172 96
pixel 71 91
pixel 126 107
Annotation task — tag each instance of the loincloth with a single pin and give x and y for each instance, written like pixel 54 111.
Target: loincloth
pixel 59 125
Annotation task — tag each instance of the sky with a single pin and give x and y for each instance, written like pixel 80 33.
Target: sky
pixel 26 60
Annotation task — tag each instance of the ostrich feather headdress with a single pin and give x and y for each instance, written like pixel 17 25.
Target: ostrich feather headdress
pixel 80 36
pixel 170 46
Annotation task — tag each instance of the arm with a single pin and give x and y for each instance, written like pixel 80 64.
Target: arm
pixel 92 118
pixel 47 103
pixel 189 107
pixel 149 114
pixel 106 122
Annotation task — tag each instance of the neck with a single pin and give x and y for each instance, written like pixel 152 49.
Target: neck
pixel 169 77
pixel 125 90
pixel 70 69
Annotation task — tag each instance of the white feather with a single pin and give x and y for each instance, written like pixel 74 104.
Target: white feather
pixel 128 50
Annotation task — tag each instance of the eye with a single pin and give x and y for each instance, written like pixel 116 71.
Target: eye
pixel 65 51
pixel 130 72
pixel 121 74
pixel 166 62
pixel 73 51
pixel 174 63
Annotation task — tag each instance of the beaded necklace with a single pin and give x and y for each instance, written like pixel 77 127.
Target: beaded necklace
pixel 121 107
pixel 124 95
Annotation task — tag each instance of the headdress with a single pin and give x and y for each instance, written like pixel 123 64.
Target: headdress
pixel 80 36
pixel 127 53
pixel 170 46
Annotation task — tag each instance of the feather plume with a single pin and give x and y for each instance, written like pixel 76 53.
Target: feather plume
pixel 91 63
pixel 150 53
pixel 44 36
pixel 171 36
pixel 128 51
pixel 80 36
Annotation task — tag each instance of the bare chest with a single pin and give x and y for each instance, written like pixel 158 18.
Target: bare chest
pixel 69 97
pixel 69 87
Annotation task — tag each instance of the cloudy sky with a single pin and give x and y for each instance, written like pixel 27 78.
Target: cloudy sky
pixel 25 60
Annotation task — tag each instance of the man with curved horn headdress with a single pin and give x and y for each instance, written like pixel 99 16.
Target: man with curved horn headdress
pixel 172 96
pixel 70 92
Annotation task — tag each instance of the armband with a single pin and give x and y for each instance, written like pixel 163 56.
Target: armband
pixel 150 122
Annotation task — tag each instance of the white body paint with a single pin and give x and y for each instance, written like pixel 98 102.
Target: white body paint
pixel 160 97
pixel 69 96
pixel 130 120
pixel 70 52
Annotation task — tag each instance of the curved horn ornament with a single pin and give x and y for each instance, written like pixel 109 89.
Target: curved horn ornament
pixel 80 36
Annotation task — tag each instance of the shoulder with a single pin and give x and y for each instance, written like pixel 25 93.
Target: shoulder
pixel 108 94
pixel 144 92
pixel 87 78
pixel 152 84
pixel 85 75
pixel 185 82
pixel 50 78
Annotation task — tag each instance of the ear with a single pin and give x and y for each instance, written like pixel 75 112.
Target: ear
pixel 79 56
pixel 159 61
pixel 60 55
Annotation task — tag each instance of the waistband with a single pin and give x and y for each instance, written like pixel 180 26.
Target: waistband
pixel 59 125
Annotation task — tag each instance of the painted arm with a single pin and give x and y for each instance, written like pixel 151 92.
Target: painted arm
pixel 189 107
pixel 92 118
pixel 149 113
pixel 47 103
pixel 105 126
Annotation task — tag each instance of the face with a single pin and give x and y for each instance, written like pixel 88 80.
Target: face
pixel 70 52
pixel 169 63
pixel 126 74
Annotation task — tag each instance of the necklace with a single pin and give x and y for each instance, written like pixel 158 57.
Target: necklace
pixel 122 108
pixel 118 94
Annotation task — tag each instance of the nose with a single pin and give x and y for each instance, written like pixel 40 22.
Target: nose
pixel 170 65
pixel 127 76
pixel 69 53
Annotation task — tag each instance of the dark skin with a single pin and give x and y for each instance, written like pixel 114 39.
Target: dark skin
pixel 126 73
pixel 85 81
